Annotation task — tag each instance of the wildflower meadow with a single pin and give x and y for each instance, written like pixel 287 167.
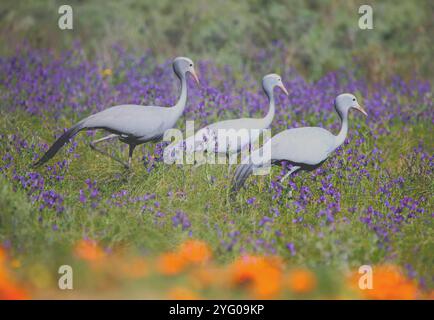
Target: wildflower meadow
pixel 160 231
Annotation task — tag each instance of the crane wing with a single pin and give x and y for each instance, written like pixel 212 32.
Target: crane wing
pixel 131 120
pixel 309 145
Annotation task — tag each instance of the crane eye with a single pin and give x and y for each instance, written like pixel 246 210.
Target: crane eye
pixel 191 64
pixel 354 99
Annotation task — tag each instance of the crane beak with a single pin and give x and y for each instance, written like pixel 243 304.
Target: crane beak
pixel 362 110
pixel 193 73
pixel 281 86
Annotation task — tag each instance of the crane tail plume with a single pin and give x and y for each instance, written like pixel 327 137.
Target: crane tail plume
pixel 242 172
pixel 59 143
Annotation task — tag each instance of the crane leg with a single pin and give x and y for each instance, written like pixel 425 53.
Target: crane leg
pixel 130 154
pixel 293 169
pixel 202 160
pixel 93 144
pixel 230 164
pixel 230 158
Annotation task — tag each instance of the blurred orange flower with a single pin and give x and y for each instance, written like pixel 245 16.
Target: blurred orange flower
pixel 171 263
pixel 180 293
pixel 89 250
pixel 195 251
pixel 388 284
pixel 191 252
pixel 262 275
pixel 301 281
pixel 243 269
pixel 268 285
pixel 9 289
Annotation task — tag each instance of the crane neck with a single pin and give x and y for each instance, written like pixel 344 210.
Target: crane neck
pixel 268 119
pixel 178 108
pixel 340 138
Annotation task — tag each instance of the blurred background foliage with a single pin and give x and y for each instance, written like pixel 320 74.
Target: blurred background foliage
pixel 313 36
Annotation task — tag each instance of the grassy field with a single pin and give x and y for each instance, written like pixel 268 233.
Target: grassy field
pixel 161 231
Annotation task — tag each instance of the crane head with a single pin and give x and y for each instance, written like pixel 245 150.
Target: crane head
pixel 346 101
pixel 183 65
pixel 273 80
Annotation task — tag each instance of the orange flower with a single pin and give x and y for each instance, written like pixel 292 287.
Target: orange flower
pixel 268 285
pixel 9 290
pixel 261 274
pixel 171 263
pixel 180 293
pixel 191 252
pixel 301 281
pixel 245 269
pixel 195 251
pixel 89 250
pixel 389 283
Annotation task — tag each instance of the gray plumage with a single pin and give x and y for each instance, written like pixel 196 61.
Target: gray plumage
pixel 208 138
pixel 132 124
pixel 305 148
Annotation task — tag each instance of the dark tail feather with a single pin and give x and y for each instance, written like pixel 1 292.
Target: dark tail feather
pixel 242 172
pixel 59 144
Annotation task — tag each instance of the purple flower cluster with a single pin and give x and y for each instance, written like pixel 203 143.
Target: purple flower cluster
pixel 91 194
pixel 181 219
pixel 35 186
pixel 51 200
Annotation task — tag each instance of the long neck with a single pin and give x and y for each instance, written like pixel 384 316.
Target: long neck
pixel 270 115
pixel 340 138
pixel 178 108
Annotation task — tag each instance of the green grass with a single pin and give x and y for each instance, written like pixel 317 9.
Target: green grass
pixel 316 36
pixel 341 245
